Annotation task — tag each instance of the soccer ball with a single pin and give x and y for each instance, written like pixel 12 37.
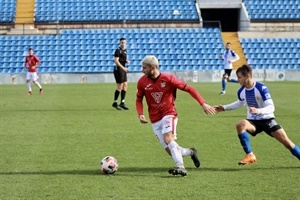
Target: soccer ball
pixel 109 165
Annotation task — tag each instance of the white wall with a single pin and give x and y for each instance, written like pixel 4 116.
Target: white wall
pixel 273 34
pixel 188 76
pixel 244 22
pixel 219 1
pixel 275 27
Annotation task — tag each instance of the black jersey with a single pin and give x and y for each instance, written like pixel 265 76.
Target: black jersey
pixel 122 54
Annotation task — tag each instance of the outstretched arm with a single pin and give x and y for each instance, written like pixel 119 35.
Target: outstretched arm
pixel 206 108
pixel 232 106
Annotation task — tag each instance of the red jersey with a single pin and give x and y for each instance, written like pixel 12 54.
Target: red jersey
pixel 160 94
pixel 30 61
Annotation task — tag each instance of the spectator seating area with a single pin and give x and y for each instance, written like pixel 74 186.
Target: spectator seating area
pixel 272 53
pixel 136 10
pixel 273 9
pixel 7 11
pixel 114 10
pixel 92 50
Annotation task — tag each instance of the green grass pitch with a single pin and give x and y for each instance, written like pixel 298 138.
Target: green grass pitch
pixel 51 146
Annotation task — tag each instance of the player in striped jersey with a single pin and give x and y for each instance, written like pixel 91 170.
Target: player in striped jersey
pixel 260 114
pixel 229 56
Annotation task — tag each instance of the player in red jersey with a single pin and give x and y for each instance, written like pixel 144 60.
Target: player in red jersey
pixel 159 90
pixel 31 63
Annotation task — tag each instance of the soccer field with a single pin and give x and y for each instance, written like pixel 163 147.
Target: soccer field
pixel 51 146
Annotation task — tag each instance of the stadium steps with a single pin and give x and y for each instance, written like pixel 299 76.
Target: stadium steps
pixel 25 12
pixel 233 38
pixel 24 24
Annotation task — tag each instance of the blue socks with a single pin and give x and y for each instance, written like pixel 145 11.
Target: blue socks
pixel 223 85
pixel 233 80
pixel 245 142
pixel 296 151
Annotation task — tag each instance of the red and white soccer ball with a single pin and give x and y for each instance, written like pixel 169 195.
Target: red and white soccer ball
pixel 109 165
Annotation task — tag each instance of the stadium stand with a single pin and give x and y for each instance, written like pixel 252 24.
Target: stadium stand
pixel 112 10
pixel 8 10
pixel 272 53
pixel 273 10
pixel 91 51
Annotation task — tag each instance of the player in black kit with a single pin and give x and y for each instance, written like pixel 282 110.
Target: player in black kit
pixel 120 73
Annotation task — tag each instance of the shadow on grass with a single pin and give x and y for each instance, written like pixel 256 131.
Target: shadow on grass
pixel 247 168
pixel 144 171
pixel 60 110
pixel 122 171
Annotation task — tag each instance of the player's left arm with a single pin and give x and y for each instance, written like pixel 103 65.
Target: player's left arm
pixel 37 61
pixel 235 57
pixel 196 95
pixel 269 108
pixel 268 103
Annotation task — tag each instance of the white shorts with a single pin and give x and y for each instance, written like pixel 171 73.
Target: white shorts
pixel 165 125
pixel 32 76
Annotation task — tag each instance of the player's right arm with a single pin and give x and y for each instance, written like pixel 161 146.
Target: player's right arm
pixel 139 102
pixel 116 61
pixel 222 56
pixel 25 63
pixel 232 106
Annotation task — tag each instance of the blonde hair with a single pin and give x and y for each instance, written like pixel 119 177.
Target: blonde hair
pixel 150 60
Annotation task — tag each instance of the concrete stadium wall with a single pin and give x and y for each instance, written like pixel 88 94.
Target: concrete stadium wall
pixel 188 76
pixel 268 34
pixel 219 2
pixel 275 26
pixel 244 21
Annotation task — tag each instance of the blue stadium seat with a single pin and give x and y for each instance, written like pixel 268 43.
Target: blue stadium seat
pixel 97 69
pixel 259 10
pixel 19 70
pixel 77 69
pixel 64 69
pixel 85 10
pixel 90 56
pixel 91 69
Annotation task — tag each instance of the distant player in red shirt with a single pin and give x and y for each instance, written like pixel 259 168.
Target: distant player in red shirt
pixel 31 63
pixel 159 89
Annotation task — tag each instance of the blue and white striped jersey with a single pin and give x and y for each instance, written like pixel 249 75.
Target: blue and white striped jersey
pixel 229 55
pixel 259 97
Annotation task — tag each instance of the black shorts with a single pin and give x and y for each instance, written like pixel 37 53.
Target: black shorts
pixel 228 72
pixel 266 125
pixel 120 75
